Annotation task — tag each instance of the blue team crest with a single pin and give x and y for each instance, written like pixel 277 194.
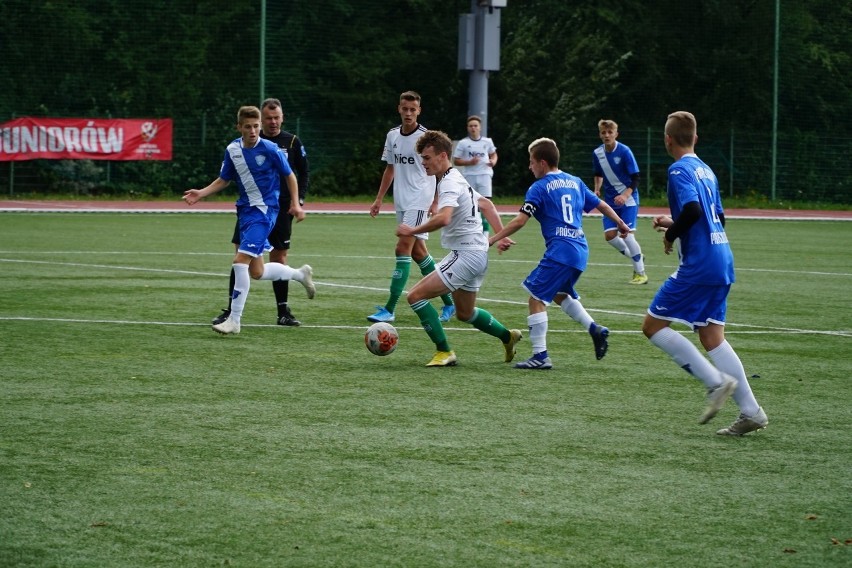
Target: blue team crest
pixel 617 159
pixel 260 159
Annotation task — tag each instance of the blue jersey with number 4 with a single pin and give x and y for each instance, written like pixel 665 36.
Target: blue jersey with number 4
pixel 705 255
pixel 558 201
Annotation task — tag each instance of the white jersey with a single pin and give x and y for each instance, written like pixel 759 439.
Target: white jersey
pixel 412 188
pixel 464 231
pixel 468 148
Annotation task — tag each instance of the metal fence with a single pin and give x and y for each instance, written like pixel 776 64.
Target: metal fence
pixel 807 168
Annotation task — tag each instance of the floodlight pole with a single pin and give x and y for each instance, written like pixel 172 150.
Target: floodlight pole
pixel 479 52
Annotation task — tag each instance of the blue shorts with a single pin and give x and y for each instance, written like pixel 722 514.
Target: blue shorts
pixel 550 278
pixel 255 226
pixel 628 214
pixel 693 305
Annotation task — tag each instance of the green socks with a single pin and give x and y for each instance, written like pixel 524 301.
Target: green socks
pixel 398 280
pixel 485 322
pixel 429 320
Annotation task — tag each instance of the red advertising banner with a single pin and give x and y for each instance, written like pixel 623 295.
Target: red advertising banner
pixel 31 138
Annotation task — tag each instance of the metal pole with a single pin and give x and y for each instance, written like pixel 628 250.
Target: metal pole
pixel 478 97
pixel 775 98
pixel 478 85
pixel 262 50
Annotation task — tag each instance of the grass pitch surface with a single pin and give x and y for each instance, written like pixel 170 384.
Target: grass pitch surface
pixel 132 435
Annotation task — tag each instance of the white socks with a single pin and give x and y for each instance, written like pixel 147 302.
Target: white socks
pixel 634 251
pixel 727 361
pixel 278 271
pixel 687 356
pixel 577 312
pixel 618 244
pixel 538 331
pixel 242 283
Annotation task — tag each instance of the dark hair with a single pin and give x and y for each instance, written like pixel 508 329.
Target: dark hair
pixel 272 104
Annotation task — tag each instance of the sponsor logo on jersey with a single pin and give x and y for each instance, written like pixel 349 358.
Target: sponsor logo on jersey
pixel 400 159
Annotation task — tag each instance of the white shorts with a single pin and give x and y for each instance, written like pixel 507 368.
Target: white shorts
pixel 463 269
pixel 413 218
pixel 481 183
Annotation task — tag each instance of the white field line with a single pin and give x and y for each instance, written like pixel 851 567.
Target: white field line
pixel 664 269
pixel 765 331
pixel 756 329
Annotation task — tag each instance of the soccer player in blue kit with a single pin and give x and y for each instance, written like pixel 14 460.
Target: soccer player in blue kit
pixel 617 173
pixel 255 165
pixel 557 200
pixel 696 294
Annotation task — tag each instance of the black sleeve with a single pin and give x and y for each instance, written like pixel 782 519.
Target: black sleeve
pixel 687 218
pixel 634 181
pixel 299 165
pixel 722 218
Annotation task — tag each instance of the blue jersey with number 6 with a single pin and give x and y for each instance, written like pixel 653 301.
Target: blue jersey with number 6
pixel 558 201
pixel 705 255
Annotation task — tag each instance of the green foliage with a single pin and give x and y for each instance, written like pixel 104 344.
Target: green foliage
pixel 339 65
pixel 135 436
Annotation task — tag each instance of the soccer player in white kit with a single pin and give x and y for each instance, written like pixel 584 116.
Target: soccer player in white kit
pixel 478 155
pixel 413 194
pixel 696 294
pixel 463 270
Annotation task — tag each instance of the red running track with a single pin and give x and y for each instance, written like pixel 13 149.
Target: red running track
pixel 178 206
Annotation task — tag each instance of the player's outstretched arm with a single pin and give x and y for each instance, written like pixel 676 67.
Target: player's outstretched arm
pixel 509 229
pixel 193 196
pixel 623 229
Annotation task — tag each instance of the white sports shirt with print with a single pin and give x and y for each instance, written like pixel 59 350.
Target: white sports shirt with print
pixel 468 148
pixel 412 188
pixel 464 231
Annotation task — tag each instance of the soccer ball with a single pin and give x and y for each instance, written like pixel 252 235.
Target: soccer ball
pixel 381 339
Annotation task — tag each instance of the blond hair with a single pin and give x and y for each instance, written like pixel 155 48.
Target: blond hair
pixel 605 123
pixel 544 149
pixel 682 127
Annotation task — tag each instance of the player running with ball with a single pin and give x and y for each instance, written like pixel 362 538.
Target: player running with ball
pixel 463 270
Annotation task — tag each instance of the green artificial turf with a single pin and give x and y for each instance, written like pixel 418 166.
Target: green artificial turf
pixel 132 435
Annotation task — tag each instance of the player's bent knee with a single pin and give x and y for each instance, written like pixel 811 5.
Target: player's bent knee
pixel 463 315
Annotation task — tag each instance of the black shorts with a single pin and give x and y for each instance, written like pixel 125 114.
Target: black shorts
pixel 279 238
